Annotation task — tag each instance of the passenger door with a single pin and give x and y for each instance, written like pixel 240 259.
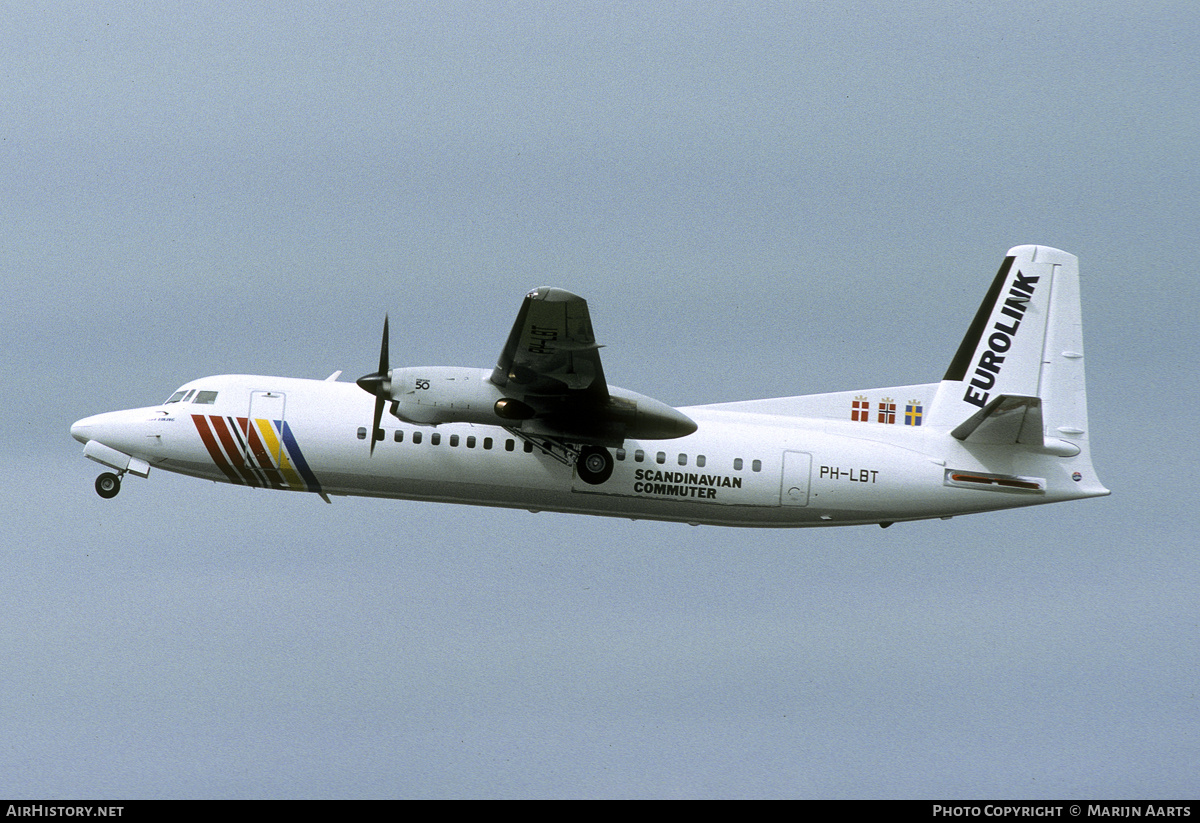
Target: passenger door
pixel 268 406
pixel 793 490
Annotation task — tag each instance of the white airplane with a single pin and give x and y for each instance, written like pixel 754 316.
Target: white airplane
pixel 544 430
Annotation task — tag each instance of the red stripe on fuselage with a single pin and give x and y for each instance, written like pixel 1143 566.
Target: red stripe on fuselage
pixel 261 454
pixel 234 451
pixel 214 449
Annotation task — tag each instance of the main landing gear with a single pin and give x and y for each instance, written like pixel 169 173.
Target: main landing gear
pixel 108 484
pixel 594 464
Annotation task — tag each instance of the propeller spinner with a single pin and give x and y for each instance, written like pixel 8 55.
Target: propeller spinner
pixel 378 383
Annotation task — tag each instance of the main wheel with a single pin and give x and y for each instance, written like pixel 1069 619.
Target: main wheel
pixel 595 465
pixel 107 485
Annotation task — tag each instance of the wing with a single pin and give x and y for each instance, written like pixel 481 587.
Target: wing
pixel 551 353
pixel 554 386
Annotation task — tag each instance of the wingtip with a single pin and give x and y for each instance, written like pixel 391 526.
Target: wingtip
pixel 551 294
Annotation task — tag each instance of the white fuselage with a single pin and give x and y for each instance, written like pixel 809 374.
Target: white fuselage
pixel 739 468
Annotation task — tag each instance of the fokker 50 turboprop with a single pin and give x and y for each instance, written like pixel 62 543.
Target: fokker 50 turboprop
pixel 544 430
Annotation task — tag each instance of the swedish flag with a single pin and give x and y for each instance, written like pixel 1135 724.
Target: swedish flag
pixel 912 414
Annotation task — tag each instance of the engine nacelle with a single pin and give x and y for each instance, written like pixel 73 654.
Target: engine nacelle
pixel 444 394
pixel 645 418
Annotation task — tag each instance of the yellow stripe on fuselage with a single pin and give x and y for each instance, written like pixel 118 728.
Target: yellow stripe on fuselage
pixel 285 466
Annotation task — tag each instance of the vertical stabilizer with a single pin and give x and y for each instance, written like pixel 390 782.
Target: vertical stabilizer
pixel 1025 343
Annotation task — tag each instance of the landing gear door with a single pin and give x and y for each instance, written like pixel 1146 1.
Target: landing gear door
pixel 268 405
pixel 796 469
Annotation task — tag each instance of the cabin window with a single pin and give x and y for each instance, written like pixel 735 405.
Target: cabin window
pixel 487 443
pixel 417 437
pixel 362 432
pixel 683 459
pixel 756 466
pixel 380 434
pixel 399 437
pixel 509 445
pixel 660 458
pixel 639 456
pixel 471 442
pixel 737 464
pixel 528 447
pixel 454 441
pixel 435 439
pixel 205 398
pixel 700 461
pixel 620 454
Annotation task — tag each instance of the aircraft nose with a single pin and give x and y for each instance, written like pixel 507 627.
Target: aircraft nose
pixel 103 427
pixel 80 429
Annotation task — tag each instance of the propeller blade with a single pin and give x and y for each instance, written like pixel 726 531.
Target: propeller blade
pixel 373 383
pixel 375 420
pixel 383 349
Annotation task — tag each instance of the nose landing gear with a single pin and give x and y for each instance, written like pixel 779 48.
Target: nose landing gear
pixel 108 485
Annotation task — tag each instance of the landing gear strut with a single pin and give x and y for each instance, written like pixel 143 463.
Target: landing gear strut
pixel 107 485
pixel 593 464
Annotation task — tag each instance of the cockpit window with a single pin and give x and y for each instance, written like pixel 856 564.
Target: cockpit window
pixel 176 397
pixel 205 397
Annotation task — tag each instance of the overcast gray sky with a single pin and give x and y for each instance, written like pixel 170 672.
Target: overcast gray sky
pixel 757 199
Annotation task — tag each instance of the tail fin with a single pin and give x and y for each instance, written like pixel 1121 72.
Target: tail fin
pixel 1018 374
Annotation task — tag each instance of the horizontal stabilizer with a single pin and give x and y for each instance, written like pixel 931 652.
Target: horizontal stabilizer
pixel 1007 420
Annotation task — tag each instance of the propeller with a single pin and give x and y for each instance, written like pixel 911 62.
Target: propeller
pixel 377 383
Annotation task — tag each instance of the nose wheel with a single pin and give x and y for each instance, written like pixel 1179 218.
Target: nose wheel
pixel 107 485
